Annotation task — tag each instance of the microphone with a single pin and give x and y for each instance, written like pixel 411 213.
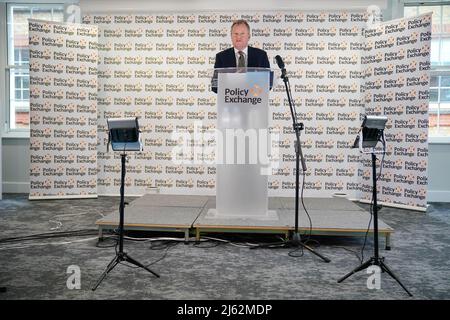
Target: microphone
pixel 280 64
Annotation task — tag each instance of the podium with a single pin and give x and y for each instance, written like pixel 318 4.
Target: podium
pixel 243 144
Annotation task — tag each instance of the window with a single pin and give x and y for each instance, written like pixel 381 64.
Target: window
pixel 17 116
pixel 440 66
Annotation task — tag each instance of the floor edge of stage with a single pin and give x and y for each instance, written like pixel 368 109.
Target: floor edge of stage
pixel 189 215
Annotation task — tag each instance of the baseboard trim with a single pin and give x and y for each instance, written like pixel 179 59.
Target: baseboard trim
pixel 15 187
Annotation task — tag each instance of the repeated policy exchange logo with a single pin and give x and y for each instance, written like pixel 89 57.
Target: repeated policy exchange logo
pixel 250 95
pixel 231 146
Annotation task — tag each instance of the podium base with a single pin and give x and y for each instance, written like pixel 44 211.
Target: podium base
pixel 268 215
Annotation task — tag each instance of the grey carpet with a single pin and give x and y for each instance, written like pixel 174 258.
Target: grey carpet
pixel 37 269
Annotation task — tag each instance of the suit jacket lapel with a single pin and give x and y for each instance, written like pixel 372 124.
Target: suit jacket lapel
pixel 232 58
pixel 250 58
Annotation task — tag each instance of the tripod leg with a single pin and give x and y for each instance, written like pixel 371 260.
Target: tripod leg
pixel 316 253
pixel 136 263
pixel 270 245
pixel 108 269
pixel 385 268
pixel 357 269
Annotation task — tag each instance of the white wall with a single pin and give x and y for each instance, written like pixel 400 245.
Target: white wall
pixel 129 6
pixel 2 87
pixel 439 172
pixel 16 165
pixel 1 163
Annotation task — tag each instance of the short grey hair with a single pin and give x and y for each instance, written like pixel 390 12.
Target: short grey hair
pixel 239 22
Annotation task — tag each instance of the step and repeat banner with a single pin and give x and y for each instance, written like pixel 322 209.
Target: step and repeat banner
pixel 63 110
pixel 158 67
pixel 396 67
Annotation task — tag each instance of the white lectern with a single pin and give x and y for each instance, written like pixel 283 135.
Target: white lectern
pixel 243 142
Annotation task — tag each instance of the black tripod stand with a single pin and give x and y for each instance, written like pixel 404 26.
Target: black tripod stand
pixel 295 241
pixel 376 259
pixel 120 255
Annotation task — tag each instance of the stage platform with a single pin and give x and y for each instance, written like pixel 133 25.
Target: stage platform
pixel 189 215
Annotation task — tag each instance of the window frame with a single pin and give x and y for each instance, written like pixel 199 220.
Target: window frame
pixel 435 70
pixel 7 69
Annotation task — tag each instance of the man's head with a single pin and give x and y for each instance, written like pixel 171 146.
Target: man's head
pixel 240 34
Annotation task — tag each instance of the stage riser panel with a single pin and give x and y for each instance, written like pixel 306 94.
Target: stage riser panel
pixel 188 214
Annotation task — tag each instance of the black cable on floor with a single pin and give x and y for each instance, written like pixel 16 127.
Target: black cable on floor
pixel 293 255
pixel 51 235
pixel 107 246
pixel 171 244
pixel 214 245
pixel 350 250
pixel 304 208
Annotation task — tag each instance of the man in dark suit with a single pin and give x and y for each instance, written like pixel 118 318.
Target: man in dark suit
pixel 241 55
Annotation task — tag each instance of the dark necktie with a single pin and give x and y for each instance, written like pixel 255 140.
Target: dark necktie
pixel 241 60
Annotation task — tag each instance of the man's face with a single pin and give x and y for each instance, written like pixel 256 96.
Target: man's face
pixel 240 36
